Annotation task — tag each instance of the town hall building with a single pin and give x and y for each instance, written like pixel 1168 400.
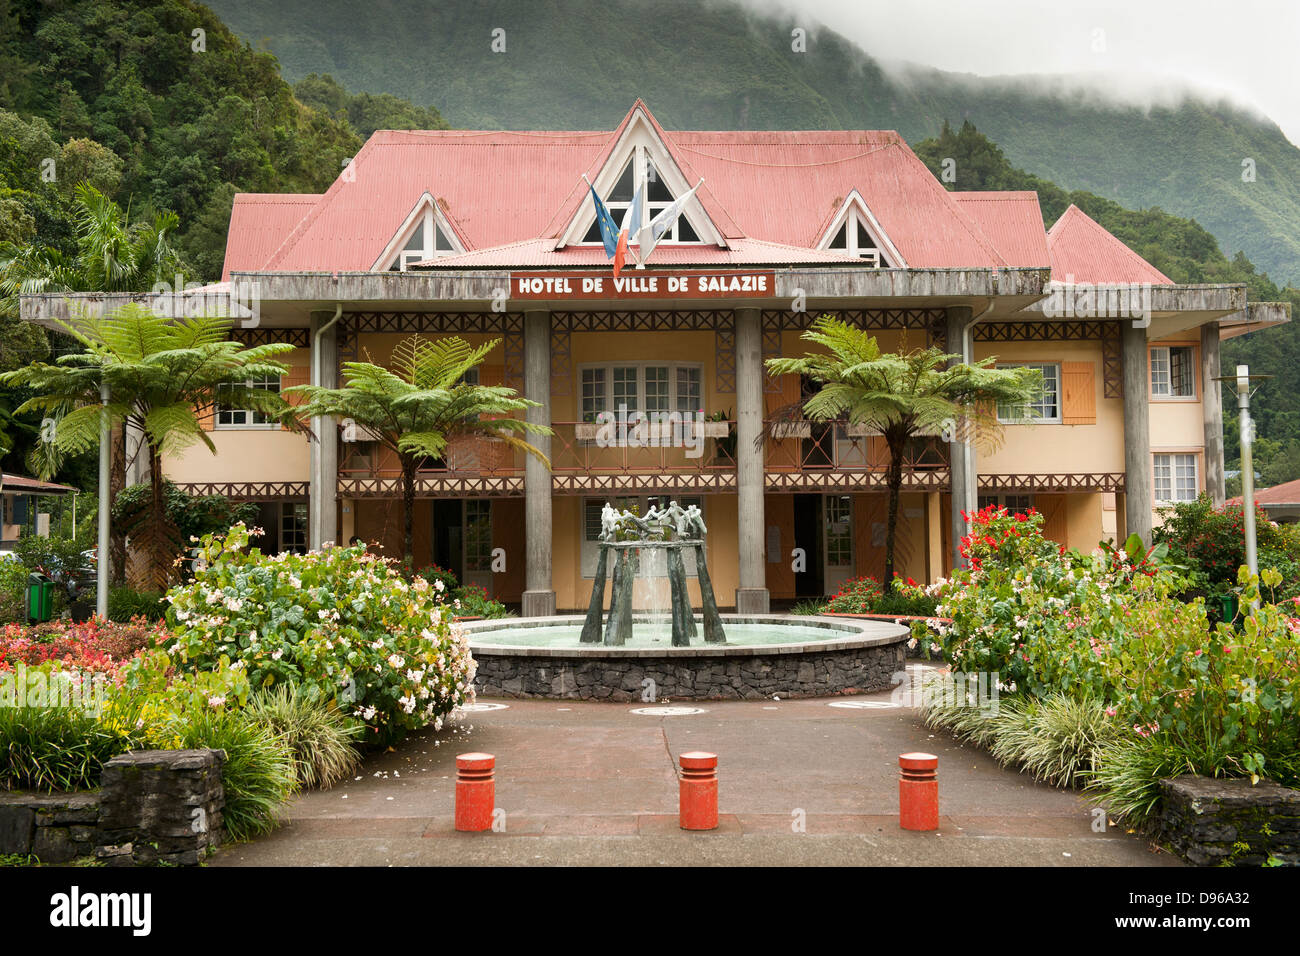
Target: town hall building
pixel 493 235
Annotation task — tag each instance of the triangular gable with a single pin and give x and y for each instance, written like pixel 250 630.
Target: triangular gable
pixel 855 221
pixel 425 233
pixel 1083 250
pixel 639 142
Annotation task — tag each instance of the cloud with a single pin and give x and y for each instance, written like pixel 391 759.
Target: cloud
pixel 1156 52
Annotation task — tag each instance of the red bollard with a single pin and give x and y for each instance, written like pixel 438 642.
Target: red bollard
pixel 697 791
pixel 918 792
pixel 475 792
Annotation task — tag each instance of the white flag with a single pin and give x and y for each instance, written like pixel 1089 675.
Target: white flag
pixel 663 222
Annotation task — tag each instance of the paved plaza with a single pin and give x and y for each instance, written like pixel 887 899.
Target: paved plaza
pixel 801 782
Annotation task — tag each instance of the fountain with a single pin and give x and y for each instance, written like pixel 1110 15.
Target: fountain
pixel 617 654
pixel 670 530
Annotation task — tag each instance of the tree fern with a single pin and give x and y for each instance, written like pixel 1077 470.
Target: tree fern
pixel 420 405
pixel 901 395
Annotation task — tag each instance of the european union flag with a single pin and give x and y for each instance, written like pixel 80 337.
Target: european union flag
pixel 608 231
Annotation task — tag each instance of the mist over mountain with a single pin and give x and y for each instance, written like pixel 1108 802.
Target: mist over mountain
pixel 716 65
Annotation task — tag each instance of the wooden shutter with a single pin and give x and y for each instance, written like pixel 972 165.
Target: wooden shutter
pixel 492 455
pixel 782 454
pixel 1055 524
pixel 297 375
pixel 1078 393
pixel 778 511
pixel 869 511
pixel 207 417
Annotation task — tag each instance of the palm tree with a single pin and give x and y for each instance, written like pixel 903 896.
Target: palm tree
pixel 421 404
pixel 112 255
pixel 903 395
pixel 163 375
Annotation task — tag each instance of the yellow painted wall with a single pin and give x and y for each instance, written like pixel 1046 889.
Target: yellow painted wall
pixel 253 454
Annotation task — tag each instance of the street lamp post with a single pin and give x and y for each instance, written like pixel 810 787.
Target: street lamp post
pixel 1247 428
pixel 101 555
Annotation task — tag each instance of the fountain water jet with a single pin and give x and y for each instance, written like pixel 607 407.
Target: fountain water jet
pixel 668 530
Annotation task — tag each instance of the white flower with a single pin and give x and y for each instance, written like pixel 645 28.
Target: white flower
pixel 276 655
pixel 395 661
pixel 216 701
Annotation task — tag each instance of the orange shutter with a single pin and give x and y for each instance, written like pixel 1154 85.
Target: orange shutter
pixel 1078 393
pixel 297 375
pixel 870 512
pixel 782 454
pixel 207 417
pixel 492 455
pixel 1055 524
pixel 778 511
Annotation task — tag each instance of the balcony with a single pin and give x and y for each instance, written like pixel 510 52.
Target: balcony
pixel 690 457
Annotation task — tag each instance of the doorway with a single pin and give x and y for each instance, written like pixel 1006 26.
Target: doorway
pixel 808 537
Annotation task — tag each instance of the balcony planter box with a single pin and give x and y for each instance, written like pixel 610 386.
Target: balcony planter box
pixel 859 430
pixel 792 430
pixel 717 429
pixel 586 431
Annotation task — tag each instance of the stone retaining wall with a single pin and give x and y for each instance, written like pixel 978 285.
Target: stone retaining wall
pixel 153 806
pixel 1213 821
pixel 749 677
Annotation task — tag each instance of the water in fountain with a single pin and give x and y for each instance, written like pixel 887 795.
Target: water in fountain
pixel 658 591
pixel 652 549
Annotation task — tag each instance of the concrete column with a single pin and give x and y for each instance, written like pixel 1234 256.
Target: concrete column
pixel 961 454
pixel 539 592
pixel 1212 413
pixel 1138 499
pixel 322 512
pixel 752 595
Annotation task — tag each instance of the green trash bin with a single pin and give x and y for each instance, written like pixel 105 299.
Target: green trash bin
pixel 1230 605
pixel 40 598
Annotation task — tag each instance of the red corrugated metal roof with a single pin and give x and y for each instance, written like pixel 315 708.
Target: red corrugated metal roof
pixel 541 253
pixel 1083 251
pixel 508 196
pixel 1013 222
pixel 259 223
pixel 21 483
pixel 1287 493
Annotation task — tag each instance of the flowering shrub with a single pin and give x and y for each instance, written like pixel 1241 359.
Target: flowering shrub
pixel 856 596
pixel 1039 615
pixel 471 600
pixel 95 646
pixel 1227 688
pixel 340 623
pixel 1210 543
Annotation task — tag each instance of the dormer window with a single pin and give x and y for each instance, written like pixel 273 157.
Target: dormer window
pixel 424 234
pixel 656 198
pixel 856 232
pixel 428 241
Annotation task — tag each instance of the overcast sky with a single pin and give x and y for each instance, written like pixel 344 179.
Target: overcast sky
pixel 1247 48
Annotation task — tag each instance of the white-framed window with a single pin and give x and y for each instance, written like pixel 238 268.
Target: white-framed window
pixel 428 241
pixel 837 512
pixel 1015 504
pixel 644 387
pixel 1175 477
pixel 854 238
pixel 591 510
pixel 656 197
pixel 1173 371
pixel 293 526
pixel 1045 411
pixel 478 535
pixel 230 417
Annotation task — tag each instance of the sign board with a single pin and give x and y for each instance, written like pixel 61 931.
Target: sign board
pixel 639 284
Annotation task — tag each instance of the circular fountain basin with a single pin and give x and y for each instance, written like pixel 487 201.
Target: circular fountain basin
pixel 765 655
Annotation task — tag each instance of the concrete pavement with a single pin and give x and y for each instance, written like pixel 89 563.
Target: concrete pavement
pixel 801 782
